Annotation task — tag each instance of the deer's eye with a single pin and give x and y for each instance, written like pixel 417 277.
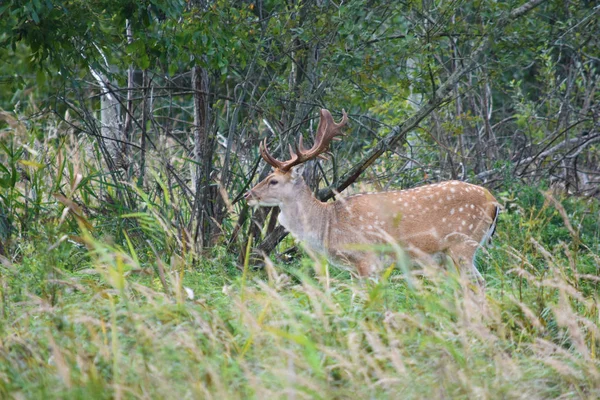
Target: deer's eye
pixel 273 182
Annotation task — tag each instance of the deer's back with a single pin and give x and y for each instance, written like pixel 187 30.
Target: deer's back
pixel 428 218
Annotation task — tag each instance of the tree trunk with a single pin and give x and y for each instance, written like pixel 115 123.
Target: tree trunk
pixel 202 157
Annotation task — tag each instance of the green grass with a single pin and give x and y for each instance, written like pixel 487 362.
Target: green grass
pixel 98 321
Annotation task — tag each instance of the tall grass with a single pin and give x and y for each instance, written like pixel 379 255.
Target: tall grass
pixel 100 301
pixel 118 327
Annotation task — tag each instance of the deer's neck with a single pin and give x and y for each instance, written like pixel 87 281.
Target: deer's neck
pixel 306 218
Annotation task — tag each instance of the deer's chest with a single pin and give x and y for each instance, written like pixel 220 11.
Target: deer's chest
pixel 301 232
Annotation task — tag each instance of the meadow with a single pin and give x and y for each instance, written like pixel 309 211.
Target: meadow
pixel 86 317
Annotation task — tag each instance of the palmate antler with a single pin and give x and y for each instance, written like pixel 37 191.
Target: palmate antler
pixel 327 131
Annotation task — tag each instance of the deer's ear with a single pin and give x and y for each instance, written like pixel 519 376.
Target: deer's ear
pixel 297 172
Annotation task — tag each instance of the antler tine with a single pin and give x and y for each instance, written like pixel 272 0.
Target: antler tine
pixel 264 152
pixel 327 131
pixel 300 146
pixel 293 155
pixel 328 127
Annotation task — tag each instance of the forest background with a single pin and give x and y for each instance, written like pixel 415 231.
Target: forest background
pixel 132 268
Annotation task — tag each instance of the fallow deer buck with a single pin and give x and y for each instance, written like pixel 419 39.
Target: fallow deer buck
pixel 450 217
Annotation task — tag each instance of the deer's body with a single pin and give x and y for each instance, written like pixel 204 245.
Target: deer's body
pixel 451 217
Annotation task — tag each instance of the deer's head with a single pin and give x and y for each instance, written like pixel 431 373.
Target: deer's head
pixel 278 187
pixel 283 184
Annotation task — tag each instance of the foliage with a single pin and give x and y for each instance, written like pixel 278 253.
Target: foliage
pixel 129 131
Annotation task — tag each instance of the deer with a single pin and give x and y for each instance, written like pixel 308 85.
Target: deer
pixel 453 217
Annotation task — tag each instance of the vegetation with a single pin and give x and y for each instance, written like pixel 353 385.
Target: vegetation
pixel 83 317
pixel 129 132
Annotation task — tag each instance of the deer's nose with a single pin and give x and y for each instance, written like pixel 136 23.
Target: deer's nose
pixel 248 195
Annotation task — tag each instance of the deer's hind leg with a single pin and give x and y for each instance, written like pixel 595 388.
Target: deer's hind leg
pixel 364 263
pixel 463 256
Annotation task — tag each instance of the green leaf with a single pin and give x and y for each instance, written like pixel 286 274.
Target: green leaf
pixel 40 77
pixel 35 16
pixel 3 8
pixel 144 61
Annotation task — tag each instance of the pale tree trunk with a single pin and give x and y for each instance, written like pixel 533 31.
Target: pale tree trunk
pixel 110 122
pixel 145 114
pixel 202 157
pixel 128 124
pixel 111 134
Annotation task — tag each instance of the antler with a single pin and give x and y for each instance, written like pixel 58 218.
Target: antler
pixel 327 131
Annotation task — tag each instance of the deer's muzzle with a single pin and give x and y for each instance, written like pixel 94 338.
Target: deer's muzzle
pixel 249 196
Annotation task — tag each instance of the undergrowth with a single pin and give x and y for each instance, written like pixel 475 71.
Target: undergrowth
pixel 108 302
